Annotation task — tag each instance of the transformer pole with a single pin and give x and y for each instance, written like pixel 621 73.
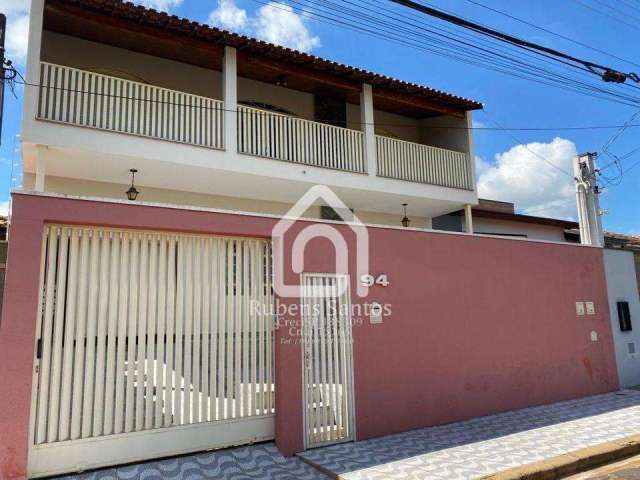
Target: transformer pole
pixel 588 203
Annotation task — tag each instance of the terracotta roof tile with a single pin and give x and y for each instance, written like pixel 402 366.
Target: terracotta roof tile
pixel 182 26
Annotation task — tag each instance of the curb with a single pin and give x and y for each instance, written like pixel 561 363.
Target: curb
pixel 573 462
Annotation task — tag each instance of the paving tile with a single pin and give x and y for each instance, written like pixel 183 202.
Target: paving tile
pixel 485 445
pixel 262 462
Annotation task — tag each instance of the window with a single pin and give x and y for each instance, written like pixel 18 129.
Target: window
pixel 328 213
pixel 624 317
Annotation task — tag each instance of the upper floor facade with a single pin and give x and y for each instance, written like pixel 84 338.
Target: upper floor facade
pixel 216 119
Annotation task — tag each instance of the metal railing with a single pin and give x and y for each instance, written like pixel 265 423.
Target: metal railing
pixel 283 137
pixel 80 97
pixel 415 162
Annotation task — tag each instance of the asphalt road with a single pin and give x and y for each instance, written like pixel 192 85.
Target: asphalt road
pixel 628 469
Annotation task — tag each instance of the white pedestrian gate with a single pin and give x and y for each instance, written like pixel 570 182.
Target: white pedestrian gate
pixel 328 360
pixel 149 344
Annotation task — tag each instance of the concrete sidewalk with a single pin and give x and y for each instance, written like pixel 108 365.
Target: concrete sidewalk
pixel 253 462
pixel 465 450
pixel 485 445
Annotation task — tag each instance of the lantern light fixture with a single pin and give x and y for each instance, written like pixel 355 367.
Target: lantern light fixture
pixel 405 220
pixel 132 193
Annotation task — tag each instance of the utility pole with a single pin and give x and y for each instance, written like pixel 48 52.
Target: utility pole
pixel 587 192
pixel 3 29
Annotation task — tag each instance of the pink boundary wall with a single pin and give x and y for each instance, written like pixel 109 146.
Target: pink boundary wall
pixel 478 325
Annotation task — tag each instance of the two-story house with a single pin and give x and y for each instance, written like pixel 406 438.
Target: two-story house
pixel 143 317
pixel 248 125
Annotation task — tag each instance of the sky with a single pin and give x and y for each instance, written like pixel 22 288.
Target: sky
pixel 530 168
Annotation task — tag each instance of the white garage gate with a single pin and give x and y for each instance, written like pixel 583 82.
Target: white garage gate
pixel 149 344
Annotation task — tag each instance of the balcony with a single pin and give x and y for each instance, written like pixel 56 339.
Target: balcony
pixel 415 162
pixel 87 99
pixel 291 139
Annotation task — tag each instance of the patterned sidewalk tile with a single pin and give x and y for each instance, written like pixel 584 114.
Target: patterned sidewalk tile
pixel 255 462
pixel 485 445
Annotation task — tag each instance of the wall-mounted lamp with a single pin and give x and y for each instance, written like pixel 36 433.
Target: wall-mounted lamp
pixel 132 193
pixel 405 220
pixel 281 81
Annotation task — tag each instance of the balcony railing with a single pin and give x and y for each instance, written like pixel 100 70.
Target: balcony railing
pixel 88 99
pixel 283 137
pixel 93 100
pixel 423 164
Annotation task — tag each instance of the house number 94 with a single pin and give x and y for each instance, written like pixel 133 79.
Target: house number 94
pixel 369 280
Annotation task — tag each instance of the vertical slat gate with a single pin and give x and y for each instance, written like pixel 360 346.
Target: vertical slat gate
pixel 147 330
pixel 327 359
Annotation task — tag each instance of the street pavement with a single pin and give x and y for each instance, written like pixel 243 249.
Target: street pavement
pixel 628 469
pixel 486 445
pixel 457 451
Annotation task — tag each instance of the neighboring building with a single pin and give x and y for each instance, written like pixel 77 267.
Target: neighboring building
pixel 624 306
pixel 128 331
pixel 492 217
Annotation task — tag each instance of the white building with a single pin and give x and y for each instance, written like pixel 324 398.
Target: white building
pixel 249 126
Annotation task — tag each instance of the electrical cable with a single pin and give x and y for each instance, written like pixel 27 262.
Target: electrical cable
pixel 572 40
pixel 388 124
pixel 471 59
pixel 608 73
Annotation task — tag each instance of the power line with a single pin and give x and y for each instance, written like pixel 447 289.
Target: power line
pixel 572 40
pixel 510 66
pixel 608 74
pixel 617 134
pixel 524 144
pixel 606 14
pixel 444 127
pixel 617 11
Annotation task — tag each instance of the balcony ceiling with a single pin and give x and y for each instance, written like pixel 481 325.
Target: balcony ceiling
pixel 114 22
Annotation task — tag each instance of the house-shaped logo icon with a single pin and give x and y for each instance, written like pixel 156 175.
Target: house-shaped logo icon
pixel 318 194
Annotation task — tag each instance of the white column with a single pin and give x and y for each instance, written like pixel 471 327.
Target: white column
pixel 230 97
pixel 429 223
pixel 471 150
pixel 368 128
pixel 31 94
pixel 468 219
pixel 589 215
pixel 40 168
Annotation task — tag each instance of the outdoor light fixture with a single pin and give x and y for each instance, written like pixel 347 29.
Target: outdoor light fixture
pixel 132 193
pixel 405 221
pixel 281 81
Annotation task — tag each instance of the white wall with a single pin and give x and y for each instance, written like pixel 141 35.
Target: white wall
pixel 531 230
pixel 175 197
pixel 454 136
pixel 621 286
pixel 86 55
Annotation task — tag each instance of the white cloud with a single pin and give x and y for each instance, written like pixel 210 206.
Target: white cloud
pixel 481 166
pixel 229 16
pixel 275 22
pixel 161 5
pixel 278 23
pixel 520 175
pixel 17 12
pixel 17 38
pixel 11 7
